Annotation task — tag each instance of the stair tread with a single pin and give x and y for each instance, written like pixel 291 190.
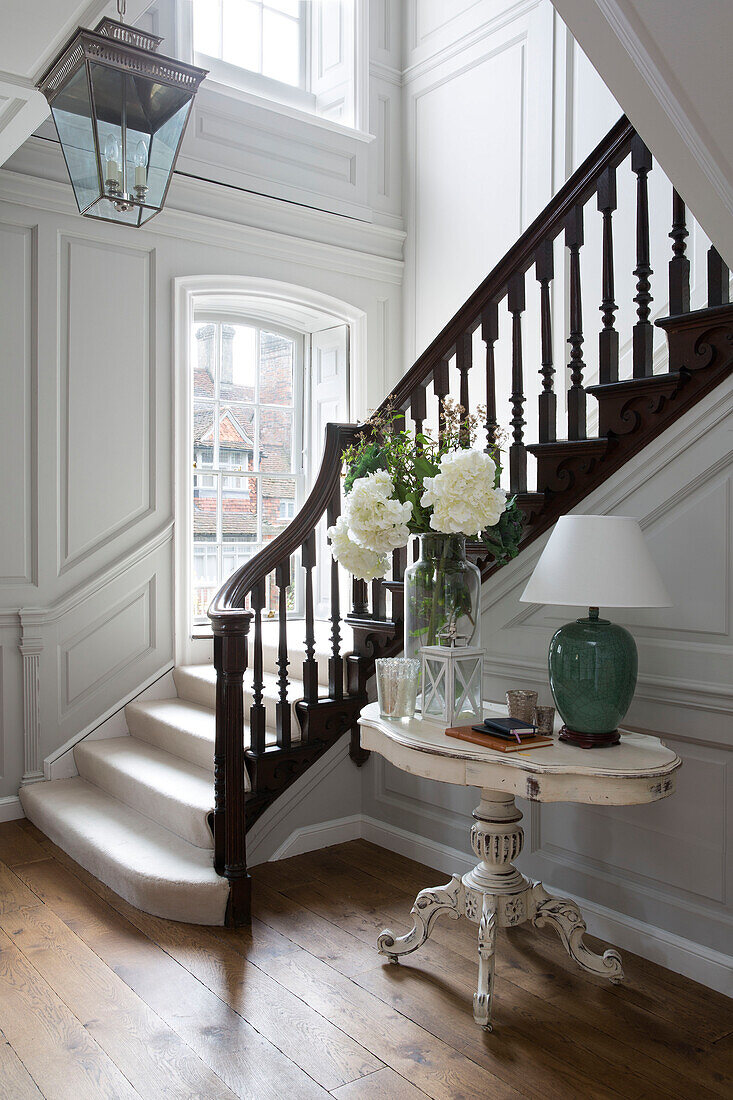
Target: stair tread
pixel 179 727
pixel 565 444
pixel 172 791
pixel 206 673
pixel 635 383
pixel 151 867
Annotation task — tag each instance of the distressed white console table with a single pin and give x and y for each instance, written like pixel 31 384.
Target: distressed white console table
pixel 495 893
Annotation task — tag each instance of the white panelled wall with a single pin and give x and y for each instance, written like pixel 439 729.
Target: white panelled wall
pixel 500 105
pixel 476 112
pixel 91 367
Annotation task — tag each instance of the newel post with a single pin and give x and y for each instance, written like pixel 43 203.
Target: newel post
pixel 229 819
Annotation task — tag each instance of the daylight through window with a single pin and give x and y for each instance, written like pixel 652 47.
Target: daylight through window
pixel 246 476
pixel 261 36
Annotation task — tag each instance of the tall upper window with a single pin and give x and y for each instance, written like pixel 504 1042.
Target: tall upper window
pixel 262 36
pixel 297 52
pixel 247 446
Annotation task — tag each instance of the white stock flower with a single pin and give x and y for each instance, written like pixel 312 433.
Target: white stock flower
pixel 365 565
pixel 375 518
pixel 462 494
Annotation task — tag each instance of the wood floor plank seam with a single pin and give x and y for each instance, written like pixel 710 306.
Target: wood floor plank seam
pixel 361 1030
pixel 121 1019
pixel 654 1066
pixel 122 908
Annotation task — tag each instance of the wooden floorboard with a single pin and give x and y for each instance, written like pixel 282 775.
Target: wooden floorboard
pixel 98 999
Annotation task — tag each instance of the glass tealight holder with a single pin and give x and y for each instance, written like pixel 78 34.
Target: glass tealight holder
pixel 397 682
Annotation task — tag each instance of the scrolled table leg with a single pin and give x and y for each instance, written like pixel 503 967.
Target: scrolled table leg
pixel 429 904
pixel 566 918
pixel 486 955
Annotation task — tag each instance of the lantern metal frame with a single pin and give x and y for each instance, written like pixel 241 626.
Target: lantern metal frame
pixel 450 661
pixel 131 52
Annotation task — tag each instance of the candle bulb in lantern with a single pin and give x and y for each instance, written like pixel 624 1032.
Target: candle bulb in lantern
pixel 141 162
pixel 112 156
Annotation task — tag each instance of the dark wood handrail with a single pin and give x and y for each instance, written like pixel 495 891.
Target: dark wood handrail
pixel 229 600
pixel 567 468
pixel 520 257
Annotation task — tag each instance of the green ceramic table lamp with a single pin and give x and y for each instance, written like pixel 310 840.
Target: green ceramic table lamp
pixel 594 561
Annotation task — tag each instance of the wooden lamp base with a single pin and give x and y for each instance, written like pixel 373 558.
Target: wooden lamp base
pixel 589 740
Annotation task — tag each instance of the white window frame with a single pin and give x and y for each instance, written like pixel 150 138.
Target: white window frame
pixel 220 473
pixel 257 83
pixel 294 103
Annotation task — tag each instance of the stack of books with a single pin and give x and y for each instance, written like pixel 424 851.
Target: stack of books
pixel 502 734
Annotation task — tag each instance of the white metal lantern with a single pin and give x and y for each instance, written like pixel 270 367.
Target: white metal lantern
pixel 451 678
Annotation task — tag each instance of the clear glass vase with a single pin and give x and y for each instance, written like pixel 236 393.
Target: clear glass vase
pixel 442 589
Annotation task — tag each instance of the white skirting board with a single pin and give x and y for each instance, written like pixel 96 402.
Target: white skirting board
pixel 693 960
pixel 10 808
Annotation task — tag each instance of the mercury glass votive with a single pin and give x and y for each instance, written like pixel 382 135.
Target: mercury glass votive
pixel 544 720
pixel 522 705
pixel 397 681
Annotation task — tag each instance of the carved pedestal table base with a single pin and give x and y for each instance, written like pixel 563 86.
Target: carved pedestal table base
pixel 495 894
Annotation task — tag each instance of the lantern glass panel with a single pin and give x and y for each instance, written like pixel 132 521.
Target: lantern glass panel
pixel 72 114
pixel 434 690
pixel 467 687
pixel 162 152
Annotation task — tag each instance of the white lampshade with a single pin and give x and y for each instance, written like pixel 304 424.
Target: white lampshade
pixel 596 561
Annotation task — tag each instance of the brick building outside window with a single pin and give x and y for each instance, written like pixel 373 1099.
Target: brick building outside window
pixel 246 449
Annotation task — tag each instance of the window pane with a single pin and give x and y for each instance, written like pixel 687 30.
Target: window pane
pixel 242 34
pixel 204 359
pixel 288 7
pixel 233 555
pixel 238 362
pixel 207 27
pixel 276 441
pixel 205 563
pixel 280 48
pixel 204 508
pixel 239 511
pixel 204 434
pixel 278 496
pixel 276 369
pixel 236 437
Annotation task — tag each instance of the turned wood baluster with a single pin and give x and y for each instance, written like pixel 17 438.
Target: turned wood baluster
pixel 359 598
pixel 643 337
pixel 547 403
pixel 464 362
pixel 418 410
pixel 679 265
pixel 335 661
pixel 576 393
pixel 490 334
pixel 608 337
pixel 441 389
pixel 230 852
pixel 517 451
pixel 310 665
pixel 399 563
pixel 282 709
pixel 257 713
pixel 718 278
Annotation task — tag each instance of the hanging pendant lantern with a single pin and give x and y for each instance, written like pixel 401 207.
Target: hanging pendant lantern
pixel 120 111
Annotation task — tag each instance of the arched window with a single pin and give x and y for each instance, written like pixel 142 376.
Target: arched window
pixel 247 434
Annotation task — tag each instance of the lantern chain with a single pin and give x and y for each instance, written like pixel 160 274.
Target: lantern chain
pixel 121 8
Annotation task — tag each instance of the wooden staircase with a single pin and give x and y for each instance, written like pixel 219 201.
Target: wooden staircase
pixel 631 412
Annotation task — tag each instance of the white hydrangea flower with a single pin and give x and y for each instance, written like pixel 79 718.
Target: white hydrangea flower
pixel 375 518
pixel 462 494
pixel 365 565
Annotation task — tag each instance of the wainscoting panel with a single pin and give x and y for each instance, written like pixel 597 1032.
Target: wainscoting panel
pixel 18 503
pixel 126 631
pixel 107 391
